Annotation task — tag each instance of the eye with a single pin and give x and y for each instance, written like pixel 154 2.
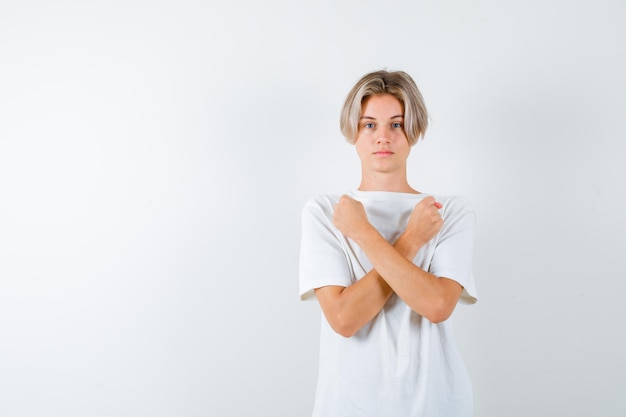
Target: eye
pixel 396 125
pixel 368 125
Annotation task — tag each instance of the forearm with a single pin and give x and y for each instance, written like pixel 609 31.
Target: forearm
pixel 348 309
pixel 427 294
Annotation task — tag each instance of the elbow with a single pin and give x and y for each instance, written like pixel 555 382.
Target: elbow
pixel 342 326
pixel 437 317
pixel 439 312
pixel 344 331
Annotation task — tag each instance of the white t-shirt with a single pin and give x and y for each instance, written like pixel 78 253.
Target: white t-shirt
pixel 399 364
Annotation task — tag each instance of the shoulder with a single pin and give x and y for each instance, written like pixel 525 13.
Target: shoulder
pixel 321 200
pixel 455 206
pixel 322 204
pixel 455 202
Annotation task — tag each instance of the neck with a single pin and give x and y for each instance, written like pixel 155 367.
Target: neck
pixel 386 182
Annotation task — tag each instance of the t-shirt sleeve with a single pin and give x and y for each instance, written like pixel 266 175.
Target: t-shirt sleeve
pixel 454 249
pixel 323 260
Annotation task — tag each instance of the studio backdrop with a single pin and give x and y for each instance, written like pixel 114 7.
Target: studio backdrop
pixel 155 158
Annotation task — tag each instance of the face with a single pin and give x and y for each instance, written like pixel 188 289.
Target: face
pixel 381 143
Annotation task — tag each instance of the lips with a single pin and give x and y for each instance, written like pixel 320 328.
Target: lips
pixel 383 153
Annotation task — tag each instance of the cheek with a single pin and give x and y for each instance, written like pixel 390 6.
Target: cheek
pixel 403 145
pixel 401 140
pixel 359 149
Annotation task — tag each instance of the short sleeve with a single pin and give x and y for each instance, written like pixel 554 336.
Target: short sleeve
pixel 455 246
pixel 323 260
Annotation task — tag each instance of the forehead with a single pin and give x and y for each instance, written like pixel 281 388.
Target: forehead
pixel 382 106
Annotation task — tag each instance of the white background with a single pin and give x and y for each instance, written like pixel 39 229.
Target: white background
pixel 155 156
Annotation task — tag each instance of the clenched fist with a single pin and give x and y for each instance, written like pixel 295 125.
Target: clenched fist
pixel 350 217
pixel 425 221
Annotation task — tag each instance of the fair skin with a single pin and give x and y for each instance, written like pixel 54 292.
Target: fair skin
pixel 383 149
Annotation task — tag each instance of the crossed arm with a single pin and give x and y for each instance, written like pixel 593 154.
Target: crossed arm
pixel 347 309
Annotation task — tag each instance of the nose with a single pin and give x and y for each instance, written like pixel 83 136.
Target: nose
pixel 383 136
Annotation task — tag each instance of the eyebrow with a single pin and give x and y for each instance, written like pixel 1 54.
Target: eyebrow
pixel 373 118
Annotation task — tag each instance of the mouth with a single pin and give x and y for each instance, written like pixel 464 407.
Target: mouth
pixel 383 153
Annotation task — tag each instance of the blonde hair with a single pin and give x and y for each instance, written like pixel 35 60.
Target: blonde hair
pixel 396 83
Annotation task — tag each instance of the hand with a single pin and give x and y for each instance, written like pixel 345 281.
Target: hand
pixel 350 217
pixel 425 221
